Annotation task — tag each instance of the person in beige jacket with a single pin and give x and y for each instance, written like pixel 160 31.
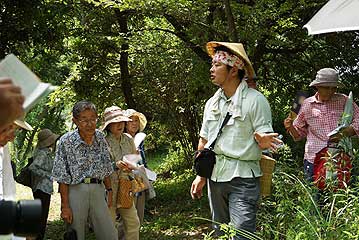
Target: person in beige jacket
pixel 120 145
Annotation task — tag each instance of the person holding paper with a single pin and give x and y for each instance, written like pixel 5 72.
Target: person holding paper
pixel 120 146
pixel 319 115
pixel 11 101
pixel 135 129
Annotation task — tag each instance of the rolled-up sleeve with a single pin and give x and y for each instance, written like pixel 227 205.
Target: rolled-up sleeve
pixel 261 115
pixel 300 123
pixel 204 128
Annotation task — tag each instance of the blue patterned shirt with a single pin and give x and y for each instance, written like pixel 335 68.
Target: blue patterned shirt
pixel 41 168
pixel 76 160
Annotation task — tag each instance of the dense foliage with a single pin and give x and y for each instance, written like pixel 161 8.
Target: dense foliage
pixel 149 55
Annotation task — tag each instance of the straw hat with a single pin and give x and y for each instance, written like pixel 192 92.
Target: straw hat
pixel 326 77
pixel 23 124
pixel 143 121
pixel 237 49
pixel 112 115
pixel 46 138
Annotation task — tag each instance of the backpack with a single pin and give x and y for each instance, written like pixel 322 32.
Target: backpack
pixel 25 176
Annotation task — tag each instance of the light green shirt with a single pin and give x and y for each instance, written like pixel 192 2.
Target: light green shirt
pixel 237 152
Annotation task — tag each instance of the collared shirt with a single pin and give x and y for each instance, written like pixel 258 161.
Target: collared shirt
pixel 41 168
pixel 237 153
pixel 76 160
pixel 119 148
pixel 316 119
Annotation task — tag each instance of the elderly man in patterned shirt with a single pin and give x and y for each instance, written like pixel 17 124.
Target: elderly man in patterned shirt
pixel 82 167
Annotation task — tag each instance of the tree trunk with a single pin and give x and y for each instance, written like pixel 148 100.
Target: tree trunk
pixel 231 24
pixel 125 77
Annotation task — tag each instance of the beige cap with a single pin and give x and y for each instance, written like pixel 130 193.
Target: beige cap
pixel 46 138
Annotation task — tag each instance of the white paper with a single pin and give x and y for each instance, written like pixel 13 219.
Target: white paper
pixel 132 159
pixel 152 176
pixel 336 131
pixel 139 137
pixel 31 86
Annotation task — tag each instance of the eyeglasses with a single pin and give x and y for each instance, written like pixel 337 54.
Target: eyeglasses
pixel 87 121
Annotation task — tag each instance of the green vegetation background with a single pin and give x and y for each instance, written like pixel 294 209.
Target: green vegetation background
pixel 150 55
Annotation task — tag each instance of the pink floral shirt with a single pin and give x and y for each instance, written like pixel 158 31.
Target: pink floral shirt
pixel 316 119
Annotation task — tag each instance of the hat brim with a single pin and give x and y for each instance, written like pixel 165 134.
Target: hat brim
pixel 115 120
pixel 23 124
pixel 316 83
pixel 237 49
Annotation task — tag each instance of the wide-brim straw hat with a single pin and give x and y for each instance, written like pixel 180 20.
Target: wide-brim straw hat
pixel 23 124
pixel 238 50
pixel 46 138
pixel 326 77
pixel 143 121
pixel 113 114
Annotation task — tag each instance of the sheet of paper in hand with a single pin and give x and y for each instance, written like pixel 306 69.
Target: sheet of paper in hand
pixel 139 137
pixel 132 159
pixel 31 86
pixel 151 174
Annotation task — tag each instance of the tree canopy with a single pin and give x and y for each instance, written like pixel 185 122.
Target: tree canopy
pixel 150 55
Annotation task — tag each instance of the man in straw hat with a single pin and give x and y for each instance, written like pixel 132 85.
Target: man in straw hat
pixel 83 167
pixel 319 115
pixel 233 188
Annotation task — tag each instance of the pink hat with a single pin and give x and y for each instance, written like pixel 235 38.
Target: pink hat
pixel 112 115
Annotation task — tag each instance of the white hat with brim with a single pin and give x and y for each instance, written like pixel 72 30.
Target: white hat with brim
pixel 143 121
pixel 23 124
pixel 326 77
pixel 113 114
pixel 238 50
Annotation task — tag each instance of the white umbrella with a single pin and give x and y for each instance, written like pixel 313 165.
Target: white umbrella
pixel 335 16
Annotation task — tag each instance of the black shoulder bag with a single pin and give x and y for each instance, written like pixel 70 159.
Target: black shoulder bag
pixel 25 176
pixel 205 159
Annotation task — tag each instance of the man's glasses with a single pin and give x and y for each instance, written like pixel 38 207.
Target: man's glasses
pixel 87 121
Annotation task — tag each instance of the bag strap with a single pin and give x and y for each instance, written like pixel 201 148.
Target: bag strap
pixel 226 119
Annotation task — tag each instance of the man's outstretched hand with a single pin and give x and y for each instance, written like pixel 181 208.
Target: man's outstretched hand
pixel 267 141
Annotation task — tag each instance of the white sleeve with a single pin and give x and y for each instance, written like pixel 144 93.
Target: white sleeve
pixel 1 173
